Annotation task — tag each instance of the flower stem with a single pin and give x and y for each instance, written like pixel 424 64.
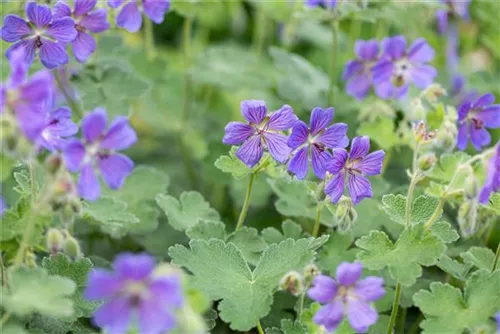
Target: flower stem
pixel 4 319
pixel 259 328
pixel 259 32
pixel 395 306
pixel 149 39
pixel 246 204
pixel 73 104
pixel 315 230
pixel 333 65
pixel 497 257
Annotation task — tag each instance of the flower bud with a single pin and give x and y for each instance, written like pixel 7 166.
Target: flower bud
pixel 310 271
pixel 53 163
pixel 293 282
pixel 417 109
pixel 427 161
pixel 467 217
pixel 191 322
pixel 433 92
pixel 471 186
pixel 72 247
pixel 446 137
pixel 345 215
pixel 30 259
pixel 55 241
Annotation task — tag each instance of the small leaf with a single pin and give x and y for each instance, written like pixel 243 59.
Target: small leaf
pixel 453 267
pixel 207 229
pixel 447 166
pixel 249 242
pixel 290 230
pixel 231 164
pixel 186 212
pixel 111 214
pixel 479 257
pixel 445 232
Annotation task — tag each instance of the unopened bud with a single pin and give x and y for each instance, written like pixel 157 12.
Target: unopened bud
pixel 345 215
pixel 166 269
pixel 30 259
pixel 467 217
pixel 55 241
pixel 310 271
pixel 471 186
pixel 72 247
pixel 292 282
pixel 446 137
pixel 427 161
pixel 417 109
pixel 53 163
pixel 433 92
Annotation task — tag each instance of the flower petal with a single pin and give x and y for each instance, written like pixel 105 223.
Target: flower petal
pixel 420 51
pixel 130 17
pixel 337 163
pixel 370 288
pixel 154 317
pixel 490 115
pixel 40 15
pixel 483 101
pixel 115 3
pixel 319 161
pixel 299 163
pixel 320 119
pixel 18 67
pixel 330 315
pixel 73 154
pixel 462 137
pixel 254 111
pixel 335 187
pixel 114 315
pixel 442 20
pixel 93 125
pixel 88 185
pixel 134 266
pixel 422 75
pixel 29 46
pixel 156 9
pixel 276 144
pixel 382 71
pixel 282 119
pixel 251 151
pixel 30 121
pixel 359 86
pixel 323 290
pixel 60 123
pixel 359 188
pixel 334 136
pixel 96 21
pixel 63 30
pixel 480 137
pixel 371 164
pixel 15 28
pixel 84 6
pixel 53 54
pixel 83 46
pixel 61 9
pixel 120 135
pixel 352 68
pixel 237 133
pixel 299 135
pixel 102 284
pixel 366 50
pixel 168 290
pixel 361 315
pixel 38 89
pixel 348 273
pixel 394 47
pixel 115 168
pixel 359 147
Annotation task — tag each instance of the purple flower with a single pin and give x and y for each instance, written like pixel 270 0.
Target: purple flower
pixel 497 318
pixel 329 4
pixel 58 125
pixel 474 118
pixel 456 8
pixel 398 67
pixel 492 183
pixel 26 97
pixel 132 292
pixel 41 32
pixel 357 72
pixel 262 130
pixel 87 20
pixel 315 139
pixel 130 17
pixel 347 295
pixel 3 206
pixel 353 166
pixel 99 150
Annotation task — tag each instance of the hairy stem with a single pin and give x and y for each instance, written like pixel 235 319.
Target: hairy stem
pixel 259 328
pixel 395 306
pixel 315 230
pixel 497 257
pixel 73 103
pixel 149 39
pixel 333 65
pixel 246 204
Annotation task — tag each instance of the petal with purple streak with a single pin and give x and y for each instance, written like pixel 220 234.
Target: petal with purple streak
pixel 320 119
pixel 102 284
pixel 237 133
pixel 359 188
pixel 483 101
pixel 276 144
pixel 96 21
pixel 115 168
pixel 462 136
pixel 366 50
pixel 53 54
pixel 61 9
pixel 352 68
pixel 334 136
pixel 348 273
pixel 83 46
pixel 299 135
pixel 114 315
pixel 480 137
pixel 88 184
pixel 359 86
pixel 60 123
pixel 490 116
pixel 40 15
pixel 382 71
pixel 254 111
pixel 93 125
pixel 156 9
pixel 394 47
pixel 115 3
pixel 330 315
pixel 73 154
pixel 135 267
pixel 38 89
pixel 337 163
pixel 63 30
pixel 323 290
pixel 18 68
pixel 130 17
pixel 359 147
pixel 282 119
pixel 120 135
pixel 361 315
pixel 154 317
pixel 15 28
pixel 251 151
pixel 335 187
pixel 371 164
pixel 422 75
pixel 298 165
pixel 370 288
pixel 319 161
pixel 29 46
pixel 84 6
pixel 420 51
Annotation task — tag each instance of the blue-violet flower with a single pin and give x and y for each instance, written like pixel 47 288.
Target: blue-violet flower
pixel 456 8
pixel 58 126
pixel 130 17
pixel 492 183
pixel 357 72
pixel 329 4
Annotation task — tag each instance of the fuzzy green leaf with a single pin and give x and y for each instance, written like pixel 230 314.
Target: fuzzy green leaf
pixel 290 230
pixel 479 257
pixel 453 267
pixel 422 209
pixel 207 229
pixel 447 166
pixel 111 214
pixel 249 242
pixel 231 164
pixel 336 250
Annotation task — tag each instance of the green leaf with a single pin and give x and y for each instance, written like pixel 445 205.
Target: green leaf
pixel 444 231
pixel 33 290
pixel 422 209
pixel 336 250
pixel 479 257
pixel 231 164
pixel 186 212
pixel 220 270
pixel 290 230
pixel 6 166
pixel 14 221
pixel 77 271
pixel 23 183
pixel 447 166
pixel 453 267
pixel 292 327
pixel 295 199
pixel 494 203
pixel 249 242
pixel 207 229
pixel 13 329
pixel 447 310
pixel 415 248
pixel 111 214
pixel 383 132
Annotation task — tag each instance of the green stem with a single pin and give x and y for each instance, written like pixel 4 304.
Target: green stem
pixel 186 46
pixel 186 159
pixel 395 306
pixel 149 39
pixel 246 204
pixel 400 326
pixel 414 327
pixel 315 230
pixel 73 104
pixel 4 319
pixel 259 32
pixel 437 213
pixel 301 305
pixel 497 257
pixel 259 328
pixel 333 65
pixel 409 197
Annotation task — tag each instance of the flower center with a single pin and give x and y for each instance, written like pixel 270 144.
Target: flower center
pixel 401 72
pixel 136 291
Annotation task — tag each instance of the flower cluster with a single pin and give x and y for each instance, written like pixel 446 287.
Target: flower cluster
pixel 135 293
pixel 392 71
pixel 321 144
pixel 347 296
